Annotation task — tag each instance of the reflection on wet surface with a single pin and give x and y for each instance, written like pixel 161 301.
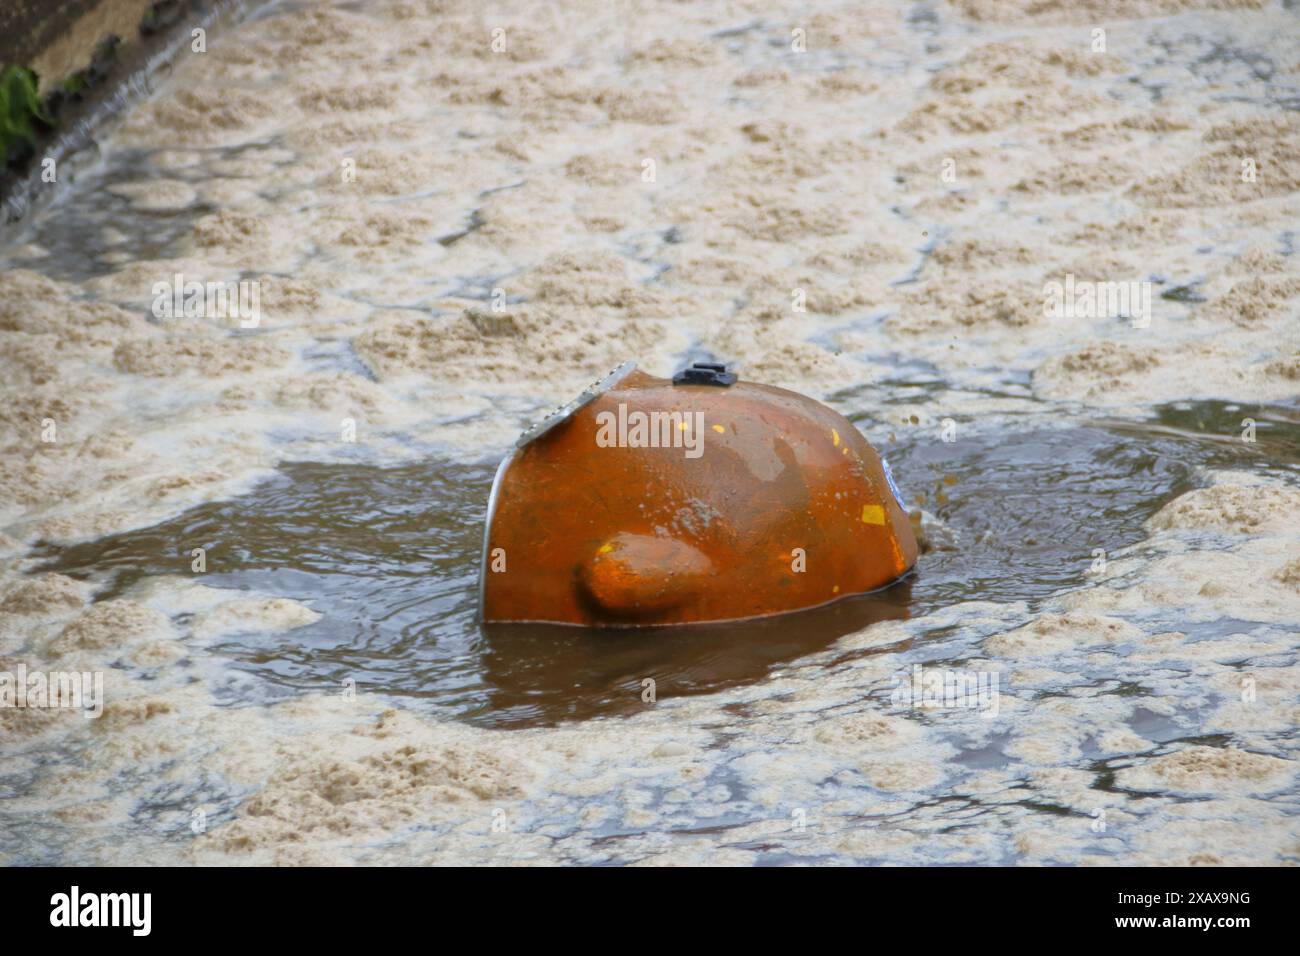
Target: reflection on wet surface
pixel 545 673
pixel 389 557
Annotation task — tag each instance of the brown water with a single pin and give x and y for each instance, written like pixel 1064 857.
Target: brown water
pixel 1148 708
pixel 389 557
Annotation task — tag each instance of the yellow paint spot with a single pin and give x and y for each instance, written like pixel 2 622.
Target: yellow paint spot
pixel 605 548
pixel 719 429
pixel 682 426
pixel 835 437
pixel 846 449
pixel 835 590
pixel 873 514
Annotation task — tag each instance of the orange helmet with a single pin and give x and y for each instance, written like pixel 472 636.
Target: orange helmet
pixel 701 499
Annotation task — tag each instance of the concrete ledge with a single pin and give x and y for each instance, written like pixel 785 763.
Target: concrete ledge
pixel 87 56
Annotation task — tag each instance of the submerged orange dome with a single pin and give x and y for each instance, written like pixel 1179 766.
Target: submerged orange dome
pixel 650 502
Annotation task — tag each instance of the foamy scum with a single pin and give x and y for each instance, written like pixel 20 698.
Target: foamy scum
pixel 651 180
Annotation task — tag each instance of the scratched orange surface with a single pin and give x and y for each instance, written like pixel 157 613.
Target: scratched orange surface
pixel 785 506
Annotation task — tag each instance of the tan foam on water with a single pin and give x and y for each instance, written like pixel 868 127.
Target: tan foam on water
pixel 1090 11
pixel 1244 509
pixel 78 459
pixel 989 286
pixel 254 614
pixel 1183 843
pixel 81 463
pixel 529 344
pixel 1249 584
pixel 384 775
pixel 1211 769
pixel 1053 633
pixel 1253 579
pixel 524 172
pixel 108 624
pixel 43 594
pixel 1213 177
pixel 1115 373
